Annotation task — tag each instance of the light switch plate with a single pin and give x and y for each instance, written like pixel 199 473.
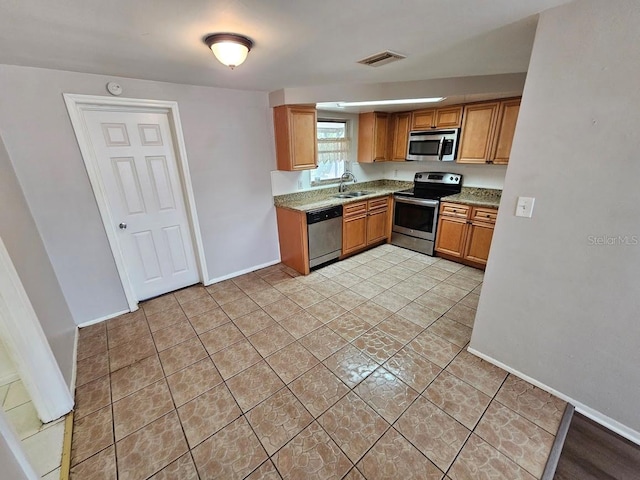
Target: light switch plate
pixel 524 207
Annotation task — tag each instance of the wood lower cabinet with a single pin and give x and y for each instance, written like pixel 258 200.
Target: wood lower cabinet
pixel 292 235
pixel 465 233
pixel 364 224
pixel 377 220
pixel 354 227
pixel 451 236
pixel 478 242
pixel 295 128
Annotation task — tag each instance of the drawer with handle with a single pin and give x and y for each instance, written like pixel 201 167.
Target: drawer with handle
pixel 487 215
pixel 353 209
pixel 454 210
pixel 378 203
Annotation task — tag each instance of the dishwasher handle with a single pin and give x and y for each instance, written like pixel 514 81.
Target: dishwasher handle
pixel 322 214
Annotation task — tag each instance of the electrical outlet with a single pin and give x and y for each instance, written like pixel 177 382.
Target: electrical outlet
pixel 395 173
pixel 524 207
pixel 299 184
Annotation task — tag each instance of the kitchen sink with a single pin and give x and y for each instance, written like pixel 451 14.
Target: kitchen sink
pixel 358 193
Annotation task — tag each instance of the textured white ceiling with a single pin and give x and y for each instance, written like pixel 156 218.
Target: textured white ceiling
pixel 297 42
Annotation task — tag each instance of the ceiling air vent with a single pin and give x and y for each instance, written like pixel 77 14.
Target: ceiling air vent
pixel 382 58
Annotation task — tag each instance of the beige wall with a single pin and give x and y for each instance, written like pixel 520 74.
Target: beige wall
pixel 229 143
pixel 29 256
pixel 555 305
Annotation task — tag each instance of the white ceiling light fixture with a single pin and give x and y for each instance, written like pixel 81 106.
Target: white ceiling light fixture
pixel 400 101
pixel 229 48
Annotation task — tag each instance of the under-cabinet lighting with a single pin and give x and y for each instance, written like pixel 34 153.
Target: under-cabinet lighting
pixel 400 101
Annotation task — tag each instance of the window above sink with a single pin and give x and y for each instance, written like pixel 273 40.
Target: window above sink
pixel 334 141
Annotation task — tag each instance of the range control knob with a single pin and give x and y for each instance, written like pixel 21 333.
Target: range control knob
pixel 418 176
pixel 456 179
pixel 450 178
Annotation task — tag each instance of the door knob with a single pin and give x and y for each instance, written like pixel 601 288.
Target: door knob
pixel 122 226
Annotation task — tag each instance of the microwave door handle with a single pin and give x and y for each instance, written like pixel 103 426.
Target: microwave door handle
pixel 441 149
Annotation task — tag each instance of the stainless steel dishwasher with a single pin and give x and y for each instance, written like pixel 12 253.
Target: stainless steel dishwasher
pixel 324 228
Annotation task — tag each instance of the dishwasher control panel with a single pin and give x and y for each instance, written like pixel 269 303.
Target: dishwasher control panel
pixel 323 214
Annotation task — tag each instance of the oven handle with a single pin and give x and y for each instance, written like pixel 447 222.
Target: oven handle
pixel 417 201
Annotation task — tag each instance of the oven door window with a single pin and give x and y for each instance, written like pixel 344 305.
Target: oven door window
pixel 430 147
pixel 419 218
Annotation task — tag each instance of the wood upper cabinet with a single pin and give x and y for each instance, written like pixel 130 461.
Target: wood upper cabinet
pixel 448 117
pixel 399 136
pixel 477 132
pixel 487 131
pixel 296 137
pixel 465 232
pixel 507 119
pixel 365 223
pixel 423 119
pixel 373 137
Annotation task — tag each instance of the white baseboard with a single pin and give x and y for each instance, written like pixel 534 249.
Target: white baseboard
pixel 589 412
pixel 102 319
pixel 74 370
pixel 241 272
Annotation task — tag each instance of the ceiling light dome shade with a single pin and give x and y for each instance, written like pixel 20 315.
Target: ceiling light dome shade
pixel 230 49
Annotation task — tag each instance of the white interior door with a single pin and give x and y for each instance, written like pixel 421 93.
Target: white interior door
pixel 137 163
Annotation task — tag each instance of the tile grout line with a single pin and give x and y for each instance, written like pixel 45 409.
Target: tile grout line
pixel 472 431
pixel 347 310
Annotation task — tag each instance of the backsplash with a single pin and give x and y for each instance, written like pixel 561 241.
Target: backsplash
pixel 480 176
pixel 319 193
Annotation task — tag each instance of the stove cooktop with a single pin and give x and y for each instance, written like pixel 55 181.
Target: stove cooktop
pixel 429 195
pixel 433 185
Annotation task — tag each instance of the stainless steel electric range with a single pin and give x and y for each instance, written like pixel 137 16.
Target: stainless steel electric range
pixel 415 213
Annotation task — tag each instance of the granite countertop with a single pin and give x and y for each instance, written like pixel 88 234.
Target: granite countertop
pixel 323 197
pixel 477 197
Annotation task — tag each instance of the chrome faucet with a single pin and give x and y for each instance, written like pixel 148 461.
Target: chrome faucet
pixel 346 176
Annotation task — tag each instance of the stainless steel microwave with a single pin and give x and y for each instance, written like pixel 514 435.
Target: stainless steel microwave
pixel 438 145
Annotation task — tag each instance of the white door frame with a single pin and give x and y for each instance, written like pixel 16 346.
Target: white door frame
pixel 76 105
pixel 28 347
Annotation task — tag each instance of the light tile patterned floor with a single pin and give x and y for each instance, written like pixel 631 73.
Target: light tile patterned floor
pixel 41 442
pixel 359 370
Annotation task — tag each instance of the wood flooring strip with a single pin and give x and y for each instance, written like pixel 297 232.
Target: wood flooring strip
pixel 66 447
pixel 556 448
pixel 593 452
